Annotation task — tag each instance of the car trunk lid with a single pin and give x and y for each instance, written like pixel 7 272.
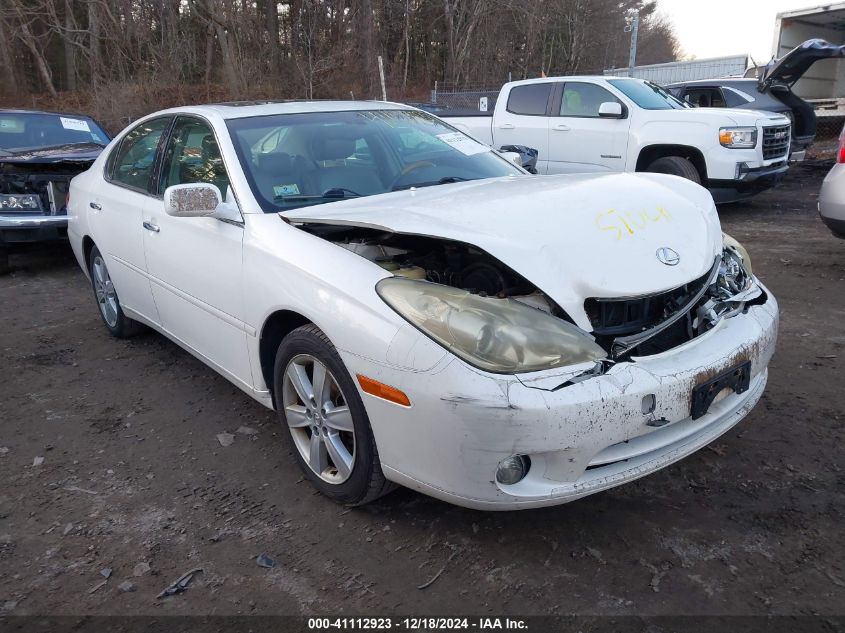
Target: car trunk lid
pixel 789 68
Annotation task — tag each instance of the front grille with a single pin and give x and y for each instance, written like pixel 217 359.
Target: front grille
pixel 775 142
pixel 622 317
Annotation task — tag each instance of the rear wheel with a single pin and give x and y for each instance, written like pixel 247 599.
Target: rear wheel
pixel 328 426
pixel 675 166
pixel 117 323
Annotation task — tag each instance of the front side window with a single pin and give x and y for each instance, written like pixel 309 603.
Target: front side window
pixel 326 156
pixel 529 99
pixel 583 99
pixel 193 156
pixel 647 95
pixel 131 163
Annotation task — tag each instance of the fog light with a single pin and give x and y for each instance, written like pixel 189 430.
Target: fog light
pixel 512 469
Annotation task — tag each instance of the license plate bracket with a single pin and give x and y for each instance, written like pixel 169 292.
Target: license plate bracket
pixel 737 378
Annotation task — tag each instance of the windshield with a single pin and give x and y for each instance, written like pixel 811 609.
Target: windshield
pixel 295 160
pixel 647 95
pixel 31 131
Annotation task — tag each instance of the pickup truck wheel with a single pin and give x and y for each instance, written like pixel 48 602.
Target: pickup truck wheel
pixel 117 323
pixel 675 166
pixel 328 426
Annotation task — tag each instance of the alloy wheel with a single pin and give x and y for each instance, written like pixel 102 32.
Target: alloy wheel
pixel 104 289
pixel 319 418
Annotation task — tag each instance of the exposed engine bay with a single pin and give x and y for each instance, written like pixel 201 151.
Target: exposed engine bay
pixel 438 260
pixel 624 327
pixel 38 187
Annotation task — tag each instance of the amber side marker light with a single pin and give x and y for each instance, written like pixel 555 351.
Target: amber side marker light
pixel 385 392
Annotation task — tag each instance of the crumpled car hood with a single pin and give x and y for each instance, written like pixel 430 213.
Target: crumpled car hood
pixel 75 153
pixel 573 236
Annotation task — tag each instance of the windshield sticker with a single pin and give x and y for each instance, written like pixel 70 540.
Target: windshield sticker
pixel 74 124
pixel 462 143
pixel 11 125
pixel 97 137
pixel 285 190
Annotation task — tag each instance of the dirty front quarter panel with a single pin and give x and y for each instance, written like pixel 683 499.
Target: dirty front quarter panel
pixel 581 436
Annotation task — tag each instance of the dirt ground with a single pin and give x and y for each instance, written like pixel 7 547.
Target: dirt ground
pixel 134 479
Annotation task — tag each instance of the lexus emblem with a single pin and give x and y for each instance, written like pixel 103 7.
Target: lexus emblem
pixel 668 256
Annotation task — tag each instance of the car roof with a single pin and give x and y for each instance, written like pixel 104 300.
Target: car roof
pixel 20 111
pixel 718 81
pixel 570 78
pixel 244 109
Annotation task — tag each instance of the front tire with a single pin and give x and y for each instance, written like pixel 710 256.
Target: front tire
pixel 330 433
pixel 675 166
pixel 117 323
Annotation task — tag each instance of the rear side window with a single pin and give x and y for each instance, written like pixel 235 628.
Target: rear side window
pixel 583 99
pixel 736 98
pixel 131 164
pixel 530 99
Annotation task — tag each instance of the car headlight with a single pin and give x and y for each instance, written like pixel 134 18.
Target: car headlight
pixel 20 202
pixel 497 335
pixel 738 137
pixel 735 273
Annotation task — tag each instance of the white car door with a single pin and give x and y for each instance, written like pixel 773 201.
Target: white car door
pixel 579 139
pixel 115 214
pixel 195 264
pixel 523 120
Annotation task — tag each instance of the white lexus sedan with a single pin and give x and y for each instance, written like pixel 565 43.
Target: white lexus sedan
pixel 419 310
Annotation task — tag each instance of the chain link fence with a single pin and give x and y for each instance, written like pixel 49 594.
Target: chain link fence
pixel 466 98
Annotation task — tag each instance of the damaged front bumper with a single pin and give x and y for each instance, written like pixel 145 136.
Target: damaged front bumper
pixel 32 227
pixel 580 435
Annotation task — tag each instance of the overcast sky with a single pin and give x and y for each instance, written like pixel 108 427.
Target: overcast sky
pixel 714 28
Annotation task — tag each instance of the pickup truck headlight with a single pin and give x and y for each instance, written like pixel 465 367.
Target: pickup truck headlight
pixel 496 335
pixel 738 137
pixel 20 202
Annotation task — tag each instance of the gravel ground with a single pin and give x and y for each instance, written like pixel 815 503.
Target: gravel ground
pixel 110 460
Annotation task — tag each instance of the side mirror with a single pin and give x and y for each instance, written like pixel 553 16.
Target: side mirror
pixel 610 110
pixel 194 200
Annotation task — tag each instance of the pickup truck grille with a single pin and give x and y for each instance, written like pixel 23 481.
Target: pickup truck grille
pixel 775 142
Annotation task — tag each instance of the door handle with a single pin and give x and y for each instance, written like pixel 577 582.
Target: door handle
pixel 507 126
pixel 95 206
pixel 151 227
pixel 560 127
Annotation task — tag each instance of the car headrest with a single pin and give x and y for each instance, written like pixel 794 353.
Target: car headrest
pixel 210 150
pixel 324 148
pixel 274 162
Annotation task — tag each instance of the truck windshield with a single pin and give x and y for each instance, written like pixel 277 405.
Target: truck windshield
pixel 295 160
pixel 647 95
pixel 26 131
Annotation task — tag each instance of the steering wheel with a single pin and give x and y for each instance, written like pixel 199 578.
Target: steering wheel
pixel 415 166
pixel 420 164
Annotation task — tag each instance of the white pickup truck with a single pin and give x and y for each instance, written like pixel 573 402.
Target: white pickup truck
pixel 620 124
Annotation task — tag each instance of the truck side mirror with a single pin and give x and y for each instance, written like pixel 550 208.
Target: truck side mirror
pixel 610 110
